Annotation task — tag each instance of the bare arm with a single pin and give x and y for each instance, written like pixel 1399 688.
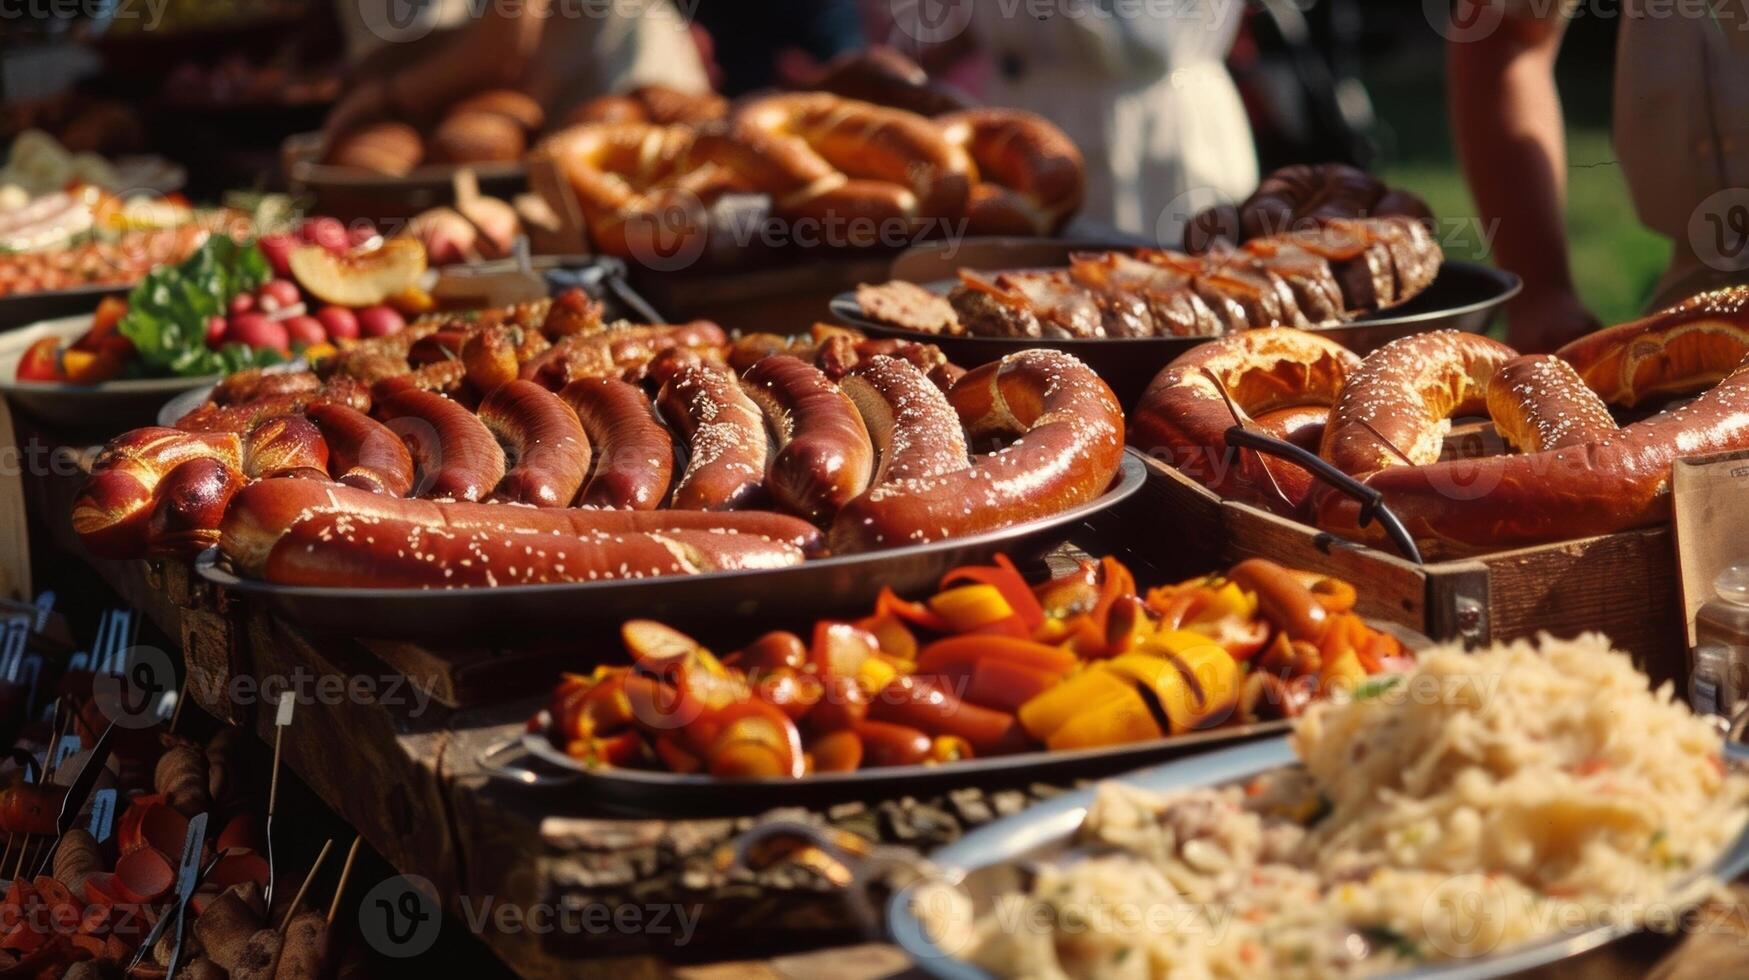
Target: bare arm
pixel 493 51
pixel 1511 140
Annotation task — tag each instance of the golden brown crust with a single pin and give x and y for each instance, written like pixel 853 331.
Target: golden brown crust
pixel 1068 442
pixel 1031 176
pixel 1684 349
pixel 1397 405
pixel 1539 402
pixel 1183 417
pixel 1617 482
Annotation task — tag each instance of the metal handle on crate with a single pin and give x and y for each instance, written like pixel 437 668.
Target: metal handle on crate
pixel 487 759
pixel 1372 502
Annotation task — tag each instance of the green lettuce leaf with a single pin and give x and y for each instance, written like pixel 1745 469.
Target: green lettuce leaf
pixel 169 309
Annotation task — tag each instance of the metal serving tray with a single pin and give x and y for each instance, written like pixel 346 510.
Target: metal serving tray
pixel 983 862
pixel 1463 297
pixel 839 585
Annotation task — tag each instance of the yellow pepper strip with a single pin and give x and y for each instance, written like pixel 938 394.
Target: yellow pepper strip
pixel 1215 679
pixel 1168 642
pixel 1342 672
pixel 968 607
pixel 875 673
pixel 1227 600
pixel 1080 694
pixel 1166 682
pixel 1116 721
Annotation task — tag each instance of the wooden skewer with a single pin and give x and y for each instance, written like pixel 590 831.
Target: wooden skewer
pixel 7 854
pixel 345 873
pixel 176 713
pixel 292 909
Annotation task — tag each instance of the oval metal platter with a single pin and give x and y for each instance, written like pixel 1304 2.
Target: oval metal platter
pixel 653 793
pixel 105 408
pixel 504 616
pixel 983 862
pixel 1463 297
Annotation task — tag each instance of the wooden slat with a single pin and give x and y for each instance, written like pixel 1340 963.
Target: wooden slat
pixel 14 538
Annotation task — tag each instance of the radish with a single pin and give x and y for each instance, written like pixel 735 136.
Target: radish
pixel 255 330
pixel 340 322
pixel 379 321
pixel 304 330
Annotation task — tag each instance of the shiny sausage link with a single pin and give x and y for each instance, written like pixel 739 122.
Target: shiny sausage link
pixel 634 454
pixel 547 449
pixel 455 453
pixel 261 512
pixel 726 440
pixel 824 456
pixel 363 452
pixel 341 549
pixel 915 430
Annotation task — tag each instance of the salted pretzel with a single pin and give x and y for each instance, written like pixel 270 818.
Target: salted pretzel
pixel 1030 176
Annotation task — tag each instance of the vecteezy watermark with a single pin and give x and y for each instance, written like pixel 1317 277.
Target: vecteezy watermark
pixel 1718 230
pixel 308 687
pixel 37 459
pixel 400 917
pixel 940 21
pixel 133 698
pixel 404 21
pixel 1475 20
pixel 675 231
pixel 572 916
pixel 149 13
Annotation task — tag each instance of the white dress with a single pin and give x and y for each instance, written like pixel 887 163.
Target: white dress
pixel 1681 132
pixel 1146 96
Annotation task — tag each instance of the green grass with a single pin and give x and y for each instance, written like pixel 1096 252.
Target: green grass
pixel 1616 261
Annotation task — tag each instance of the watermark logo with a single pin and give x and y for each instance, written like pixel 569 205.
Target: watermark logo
pixel 400 917
pixel 932 21
pixel 671 235
pixel 399 21
pixel 1718 230
pixel 1464 20
pixel 132 698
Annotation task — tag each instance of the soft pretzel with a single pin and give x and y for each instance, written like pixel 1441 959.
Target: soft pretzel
pixel 624 173
pixel 858 142
pixel 1068 441
pixel 1030 175
pixel 1684 349
pixel 1184 415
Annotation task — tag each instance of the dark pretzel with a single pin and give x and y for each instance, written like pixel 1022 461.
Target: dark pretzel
pixel 1068 432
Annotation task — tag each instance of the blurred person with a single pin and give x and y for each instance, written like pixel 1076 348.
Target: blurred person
pixel 1680 132
pixel 776 42
pixel 1143 90
pixel 557 51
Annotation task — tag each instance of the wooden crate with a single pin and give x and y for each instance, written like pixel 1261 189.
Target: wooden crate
pixel 1624 585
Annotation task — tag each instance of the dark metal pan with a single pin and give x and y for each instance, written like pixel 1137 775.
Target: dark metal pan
pixel 841 585
pixel 641 791
pixel 1464 296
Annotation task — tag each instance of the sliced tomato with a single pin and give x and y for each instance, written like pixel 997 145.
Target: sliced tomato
pixel 42 361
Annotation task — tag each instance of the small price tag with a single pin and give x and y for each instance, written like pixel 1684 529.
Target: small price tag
pixel 102 814
pixel 287 704
pixel 69 747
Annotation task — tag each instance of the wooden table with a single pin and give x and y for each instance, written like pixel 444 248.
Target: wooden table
pixel 400 761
